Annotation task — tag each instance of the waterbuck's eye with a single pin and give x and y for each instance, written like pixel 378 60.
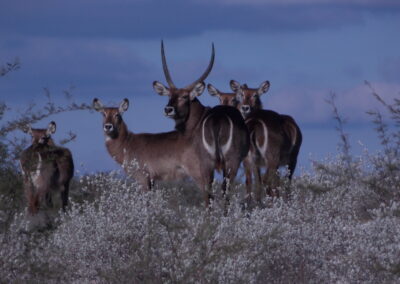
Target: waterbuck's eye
pixel 185 97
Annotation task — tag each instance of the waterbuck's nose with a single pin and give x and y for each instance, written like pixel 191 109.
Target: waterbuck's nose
pixel 169 110
pixel 43 139
pixel 108 127
pixel 245 108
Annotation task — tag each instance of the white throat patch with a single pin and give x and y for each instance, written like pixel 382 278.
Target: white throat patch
pixel 35 175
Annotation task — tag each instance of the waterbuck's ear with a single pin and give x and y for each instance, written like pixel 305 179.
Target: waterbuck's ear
pixel 97 105
pixel 264 87
pixel 212 90
pixel 197 90
pixel 161 89
pixel 123 107
pixel 27 129
pixel 51 128
pixel 235 86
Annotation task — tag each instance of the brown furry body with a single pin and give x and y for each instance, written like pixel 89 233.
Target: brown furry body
pixel 47 170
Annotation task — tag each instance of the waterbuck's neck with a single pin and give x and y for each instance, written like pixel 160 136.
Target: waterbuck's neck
pixel 118 146
pixel 256 107
pixel 37 145
pixel 259 105
pixel 196 113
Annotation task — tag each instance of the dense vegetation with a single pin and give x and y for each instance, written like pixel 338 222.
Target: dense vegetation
pixel 337 223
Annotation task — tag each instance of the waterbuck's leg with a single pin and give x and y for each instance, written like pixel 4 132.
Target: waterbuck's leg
pixel 293 161
pixel 292 167
pixel 64 195
pixel 258 185
pixel 225 185
pixel 202 172
pixel 226 182
pixel 48 198
pixel 207 194
pixel 265 178
pixel 34 204
pixel 229 174
pixel 150 183
pixel 272 179
pixel 206 187
pixel 144 181
pixel 258 182
pixel 33 201
pixel 205 184
pixel 247 170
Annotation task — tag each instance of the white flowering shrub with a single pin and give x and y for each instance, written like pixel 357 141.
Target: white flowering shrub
pixel 330 229
pixel 337 223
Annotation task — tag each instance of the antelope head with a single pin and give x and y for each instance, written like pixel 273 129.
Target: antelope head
pixel 227 99
pixel 41 136
pixel 178 106
pixel 249 97
pixel 112 117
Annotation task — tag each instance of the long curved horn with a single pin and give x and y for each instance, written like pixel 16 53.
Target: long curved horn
pixel 208 70
pixel 165 67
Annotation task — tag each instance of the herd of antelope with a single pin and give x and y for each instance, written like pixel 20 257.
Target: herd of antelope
pixel 205 139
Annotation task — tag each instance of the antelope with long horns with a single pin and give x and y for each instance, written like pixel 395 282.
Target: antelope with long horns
pixel 47 169
pixel 218 135
pixel 275 138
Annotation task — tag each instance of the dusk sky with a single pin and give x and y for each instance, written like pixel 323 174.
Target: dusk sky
pixel 111 50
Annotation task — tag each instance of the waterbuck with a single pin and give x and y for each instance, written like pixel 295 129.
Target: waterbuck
pixel 46 168
pixel 219 136
pixel 226 99
pixel 275 138
pixel 160 156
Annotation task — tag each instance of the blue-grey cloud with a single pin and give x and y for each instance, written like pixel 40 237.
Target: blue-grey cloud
pixel 176 18
pixel 389 69
pixel 360 3
pixel 95 67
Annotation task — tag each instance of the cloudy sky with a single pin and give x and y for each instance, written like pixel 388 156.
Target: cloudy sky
pixel 111 50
